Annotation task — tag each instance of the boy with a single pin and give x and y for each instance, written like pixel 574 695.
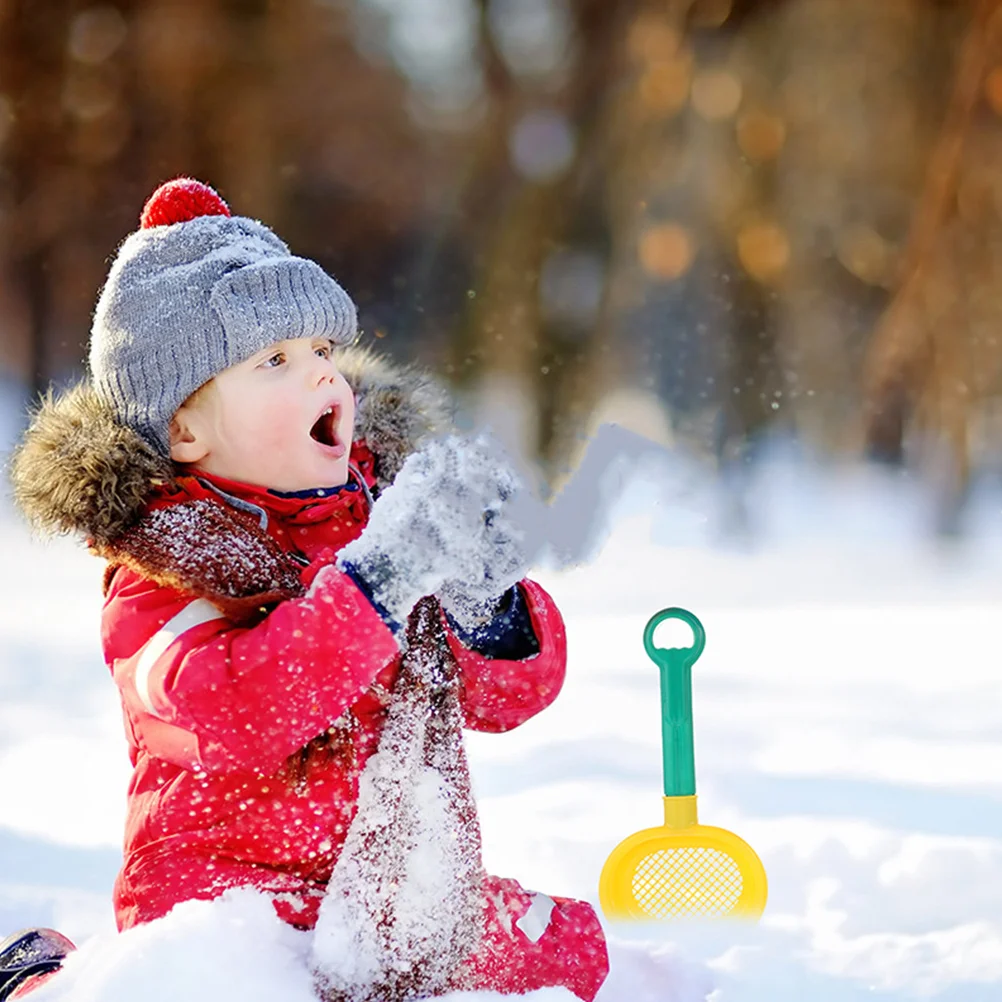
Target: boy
pixel 223 461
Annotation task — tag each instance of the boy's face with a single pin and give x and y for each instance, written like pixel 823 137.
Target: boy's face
pixel 283 419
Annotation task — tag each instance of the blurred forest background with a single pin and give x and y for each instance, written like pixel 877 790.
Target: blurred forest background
pixel 711 221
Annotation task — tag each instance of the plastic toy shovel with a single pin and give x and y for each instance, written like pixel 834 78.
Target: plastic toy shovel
pixel 683 868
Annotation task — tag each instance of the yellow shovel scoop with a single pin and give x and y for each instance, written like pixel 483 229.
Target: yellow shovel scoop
pixel 683 868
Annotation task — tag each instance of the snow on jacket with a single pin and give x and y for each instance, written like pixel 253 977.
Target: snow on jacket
pixel 254 675
pixel 230 787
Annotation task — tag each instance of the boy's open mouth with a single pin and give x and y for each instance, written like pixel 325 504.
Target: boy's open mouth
pixel 324 430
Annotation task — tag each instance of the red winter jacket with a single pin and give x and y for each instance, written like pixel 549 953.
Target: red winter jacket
pixel 215 715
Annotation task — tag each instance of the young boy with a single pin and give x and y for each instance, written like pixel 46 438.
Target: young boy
pixel 223 461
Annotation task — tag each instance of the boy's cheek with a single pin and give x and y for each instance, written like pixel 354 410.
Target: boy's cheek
pixel 258 439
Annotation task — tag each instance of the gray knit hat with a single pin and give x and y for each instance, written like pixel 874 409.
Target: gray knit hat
pixel 194 291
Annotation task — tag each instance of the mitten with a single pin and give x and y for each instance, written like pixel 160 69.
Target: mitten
pixel 513 533
pixel 437 521
pixel 475 593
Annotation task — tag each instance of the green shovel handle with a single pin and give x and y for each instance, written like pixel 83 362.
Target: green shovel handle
pixel 675 665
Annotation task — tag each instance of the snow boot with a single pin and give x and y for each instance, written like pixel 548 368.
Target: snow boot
pixel 29 957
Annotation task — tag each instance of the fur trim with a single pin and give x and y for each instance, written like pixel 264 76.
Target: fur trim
pixel 78 470
pixel 396 408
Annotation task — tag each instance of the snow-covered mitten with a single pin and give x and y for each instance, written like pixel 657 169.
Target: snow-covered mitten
pixel 514 530
pixel 404 907
pixel 437 521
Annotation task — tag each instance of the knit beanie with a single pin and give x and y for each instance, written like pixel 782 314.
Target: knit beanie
pixel 194 291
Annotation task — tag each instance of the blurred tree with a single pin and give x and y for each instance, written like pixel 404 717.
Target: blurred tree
pixel 858 137
pixel 934 361
pixel 540 238
pixel 683 215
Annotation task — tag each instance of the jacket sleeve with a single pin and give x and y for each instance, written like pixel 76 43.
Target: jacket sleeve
pixel 498 694
pixel 208 696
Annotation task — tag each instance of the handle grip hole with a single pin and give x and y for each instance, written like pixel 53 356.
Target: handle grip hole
pixel 674 633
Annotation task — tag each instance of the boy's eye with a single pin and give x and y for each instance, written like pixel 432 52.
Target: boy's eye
pixel 273 361
pixel 323 350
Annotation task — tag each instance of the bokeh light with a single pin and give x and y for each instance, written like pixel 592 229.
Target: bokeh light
pixel 666 251
pixel 651 39
pixel 541 145
pixel 865 253
pixel 716 94
pixel 763 250
pixel 96 34
pixel 534 35
pixel 664 87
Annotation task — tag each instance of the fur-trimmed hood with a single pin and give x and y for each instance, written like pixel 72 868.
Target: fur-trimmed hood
pixel 79 470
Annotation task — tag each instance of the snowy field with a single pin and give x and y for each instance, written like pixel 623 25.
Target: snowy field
pixel 848 725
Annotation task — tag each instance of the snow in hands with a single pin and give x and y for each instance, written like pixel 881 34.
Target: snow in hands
pixel 446 520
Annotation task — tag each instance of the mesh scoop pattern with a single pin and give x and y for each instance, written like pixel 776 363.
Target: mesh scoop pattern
pixel 687 881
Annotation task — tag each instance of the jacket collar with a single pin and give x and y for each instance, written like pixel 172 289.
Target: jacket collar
pixel 317 506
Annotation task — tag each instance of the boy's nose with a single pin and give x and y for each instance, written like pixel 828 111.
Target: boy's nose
pixel 320 372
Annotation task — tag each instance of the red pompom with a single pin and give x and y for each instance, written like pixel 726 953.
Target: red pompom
pixel 178 201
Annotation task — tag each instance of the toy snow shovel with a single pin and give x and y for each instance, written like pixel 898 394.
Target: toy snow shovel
pixel 683 868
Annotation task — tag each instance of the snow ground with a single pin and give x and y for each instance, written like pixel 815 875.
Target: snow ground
pixel 848 726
